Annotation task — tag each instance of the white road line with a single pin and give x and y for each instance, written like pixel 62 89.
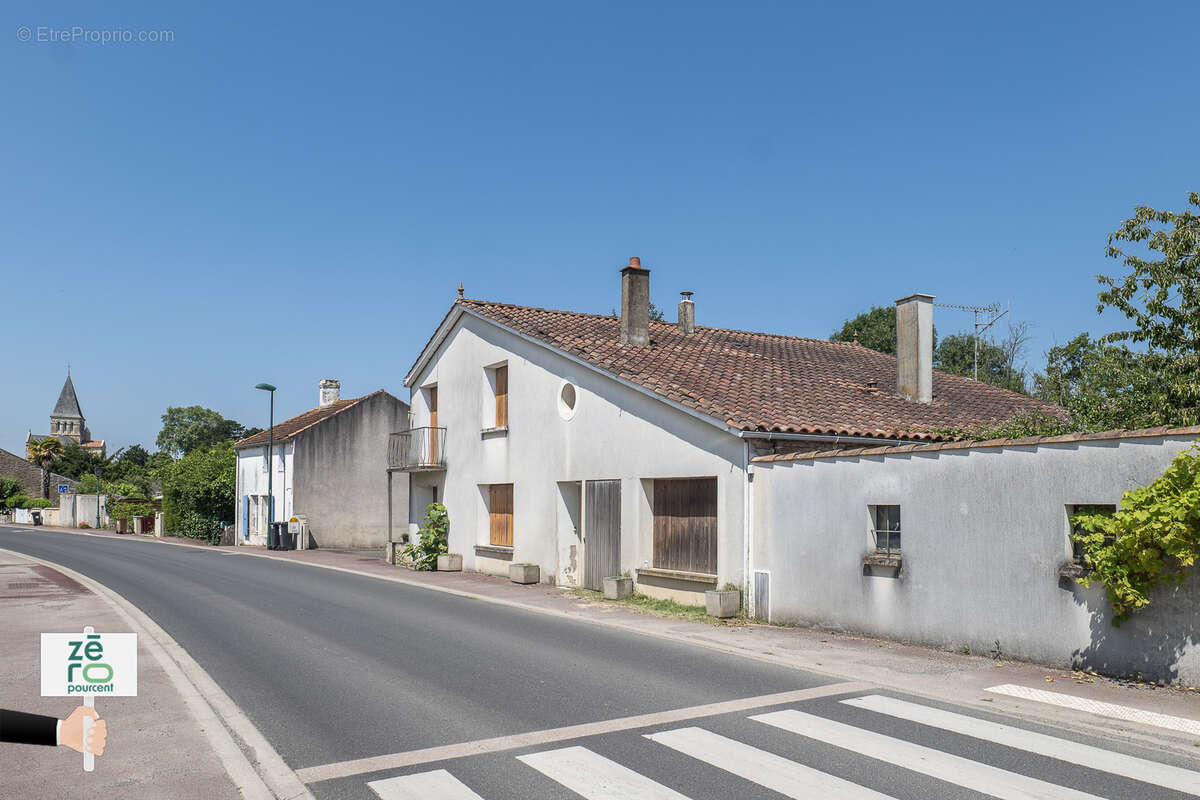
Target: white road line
pixel 428 755
pixel 758 766
pixel 436 785
pixel 944 766
pixel 1139 769
pixel 1099 707
pixel 595 777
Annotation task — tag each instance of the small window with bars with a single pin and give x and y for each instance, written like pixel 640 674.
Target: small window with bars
pixel 887 528
pixel 1072 511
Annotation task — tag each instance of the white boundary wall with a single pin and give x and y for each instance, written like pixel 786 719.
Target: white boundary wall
pixel 985 532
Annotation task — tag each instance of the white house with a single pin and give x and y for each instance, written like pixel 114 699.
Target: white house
pixel 590 445
pixel 329 465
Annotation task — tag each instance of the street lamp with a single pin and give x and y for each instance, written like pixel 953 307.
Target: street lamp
pixel 266 387
pixel 97 497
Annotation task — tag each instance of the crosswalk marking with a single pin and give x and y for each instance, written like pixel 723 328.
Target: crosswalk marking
pixel 595 777
pixel 758 766
pixel 436 785
pixel 1099 707
pixel 1139 769
pixel 964 772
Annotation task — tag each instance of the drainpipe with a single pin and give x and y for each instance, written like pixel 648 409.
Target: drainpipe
pixel 747 588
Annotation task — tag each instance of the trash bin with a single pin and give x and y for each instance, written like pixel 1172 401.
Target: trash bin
pixel 273 536
pixel 285 537
pixel 37 517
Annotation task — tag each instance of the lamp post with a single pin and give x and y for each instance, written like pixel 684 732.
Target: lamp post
pixel 266 387
pixel 98 498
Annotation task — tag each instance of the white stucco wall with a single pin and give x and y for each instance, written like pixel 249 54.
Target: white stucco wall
pixel 616 432
pixel 984 534
pixel 252 480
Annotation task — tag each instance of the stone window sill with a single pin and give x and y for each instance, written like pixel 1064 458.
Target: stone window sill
pixel 494 551
pixel 498 432
pixel 677 575
pixel 1072 570
pixel 883 563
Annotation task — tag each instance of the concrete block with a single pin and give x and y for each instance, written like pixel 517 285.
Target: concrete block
pixel 524 573
pixel 451 562
pixel 618 588
pixel 722 604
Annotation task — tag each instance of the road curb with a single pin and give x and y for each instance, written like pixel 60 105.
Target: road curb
pixel 218 716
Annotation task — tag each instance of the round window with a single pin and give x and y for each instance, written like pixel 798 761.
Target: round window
pixel 566 400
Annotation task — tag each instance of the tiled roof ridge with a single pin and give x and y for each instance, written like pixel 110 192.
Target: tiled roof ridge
pixel 972 444
pixel 467 301
pixel 341 405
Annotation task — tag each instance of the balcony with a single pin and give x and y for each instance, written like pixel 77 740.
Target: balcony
pixel 417 450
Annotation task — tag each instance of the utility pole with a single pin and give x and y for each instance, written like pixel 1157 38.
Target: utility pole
pixel 266 387
pixel 980 327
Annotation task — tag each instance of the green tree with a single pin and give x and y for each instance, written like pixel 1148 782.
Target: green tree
pixel 188 428
pixel 10 487
pixel 656 314
pixel 1160 296
pixel 198 491
pixel 75 462
pixel 43 453
pixel 997 360
pixel 875 329
pixel 1101 385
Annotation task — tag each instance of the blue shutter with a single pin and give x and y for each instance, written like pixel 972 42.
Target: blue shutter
pixel 246 516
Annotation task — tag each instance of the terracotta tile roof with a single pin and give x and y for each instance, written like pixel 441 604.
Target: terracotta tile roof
pixel 289 428
pixel 1026 441
pixel 767 382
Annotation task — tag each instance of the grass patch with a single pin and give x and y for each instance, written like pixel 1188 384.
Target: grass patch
pixel 670 609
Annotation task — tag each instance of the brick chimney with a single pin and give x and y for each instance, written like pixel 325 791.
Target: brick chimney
pixel 687 313
pixel 914 348
pixel 331 392
pixel 635 304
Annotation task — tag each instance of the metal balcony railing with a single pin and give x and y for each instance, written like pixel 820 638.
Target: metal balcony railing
pixel 417 449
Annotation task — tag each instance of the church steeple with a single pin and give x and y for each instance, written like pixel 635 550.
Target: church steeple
pixel 68 403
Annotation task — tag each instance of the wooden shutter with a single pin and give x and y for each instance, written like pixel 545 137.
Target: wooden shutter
pixel 500 514
pixel 433 420
pixel 685 525
pixel 502 396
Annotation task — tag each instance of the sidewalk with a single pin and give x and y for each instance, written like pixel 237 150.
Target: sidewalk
pixel 934 674
pixel 155 748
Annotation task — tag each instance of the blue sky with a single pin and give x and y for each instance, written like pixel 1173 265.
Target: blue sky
pixel 293 192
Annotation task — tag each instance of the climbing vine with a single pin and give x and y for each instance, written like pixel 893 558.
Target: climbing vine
pixel 1154 537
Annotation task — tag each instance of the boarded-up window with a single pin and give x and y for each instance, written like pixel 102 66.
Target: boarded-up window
pixel 685 525
pixel 500 514
pixel 501 396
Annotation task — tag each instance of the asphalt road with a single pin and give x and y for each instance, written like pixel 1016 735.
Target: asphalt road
pixel 333 667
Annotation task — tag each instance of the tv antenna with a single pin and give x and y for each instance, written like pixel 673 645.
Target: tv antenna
pixel 994 310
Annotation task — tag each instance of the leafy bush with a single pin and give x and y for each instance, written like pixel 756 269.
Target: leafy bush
pixel 10 487
pixel 129 508
pixel 1154 537
pixel 22 501
pixel 432 539
pixel 198 492
pixel 1021 424
pixel 198 526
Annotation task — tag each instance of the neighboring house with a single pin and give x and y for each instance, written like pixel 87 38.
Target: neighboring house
pixel 590 444
pixel 329 465
pixel 67 423
pixel 30 475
